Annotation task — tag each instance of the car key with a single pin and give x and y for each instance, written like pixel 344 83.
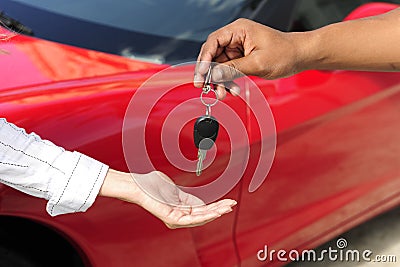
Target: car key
pixel 205 133
pixel 206 127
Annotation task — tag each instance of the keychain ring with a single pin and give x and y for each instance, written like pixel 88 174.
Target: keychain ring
pixel 211 104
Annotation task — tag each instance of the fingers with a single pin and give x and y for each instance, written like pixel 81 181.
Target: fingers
pixel 219 210
pixel 210 49
pixel 200 218
pixel 232 67
pixel 218 42
pixel 230 87
pixel 222 77
pixel 251 64
pixel 226 72
pixel 193 220
pixel 244 47
pixel 220 207
pixel 196 206
pixel 200 73
pixel 195 216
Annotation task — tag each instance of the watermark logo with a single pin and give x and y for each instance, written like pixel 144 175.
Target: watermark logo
pixel 161 110
pixel 340 253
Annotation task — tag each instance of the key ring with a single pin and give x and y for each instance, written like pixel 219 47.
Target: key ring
pixel 206 89
pixel 209 105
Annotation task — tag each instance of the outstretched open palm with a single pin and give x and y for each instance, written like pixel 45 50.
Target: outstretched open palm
pixel 176 208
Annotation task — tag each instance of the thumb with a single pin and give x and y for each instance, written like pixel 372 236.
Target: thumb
pixel 231 70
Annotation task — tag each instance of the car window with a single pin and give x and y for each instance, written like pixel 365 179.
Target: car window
pixel 190 20
pixel 313 14
pixel 161 31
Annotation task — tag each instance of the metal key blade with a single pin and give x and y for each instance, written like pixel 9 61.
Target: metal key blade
pixel 200 158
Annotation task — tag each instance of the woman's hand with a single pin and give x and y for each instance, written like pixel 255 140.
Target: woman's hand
pixel 156 193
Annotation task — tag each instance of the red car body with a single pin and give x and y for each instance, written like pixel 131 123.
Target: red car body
pixel 336 163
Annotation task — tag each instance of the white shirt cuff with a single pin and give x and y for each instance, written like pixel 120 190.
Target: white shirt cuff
pixel 81 184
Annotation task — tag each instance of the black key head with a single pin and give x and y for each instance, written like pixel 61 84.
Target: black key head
pixel 205 132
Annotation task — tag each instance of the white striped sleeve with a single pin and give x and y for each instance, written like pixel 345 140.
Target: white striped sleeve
pixel 70 181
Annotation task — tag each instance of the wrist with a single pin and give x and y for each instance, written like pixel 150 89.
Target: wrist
pixel 308 52
pixel 120 185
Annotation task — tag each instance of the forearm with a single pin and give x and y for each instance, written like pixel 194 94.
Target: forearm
pixel 370 44
pixel 70 181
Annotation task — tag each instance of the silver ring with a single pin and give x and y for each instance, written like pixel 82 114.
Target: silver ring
pixel 204 93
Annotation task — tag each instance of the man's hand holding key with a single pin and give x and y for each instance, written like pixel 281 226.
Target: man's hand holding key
pixel 250 48
pixel 246 48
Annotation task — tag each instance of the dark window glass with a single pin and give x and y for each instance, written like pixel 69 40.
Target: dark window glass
pixel 313 14
pixel 163 31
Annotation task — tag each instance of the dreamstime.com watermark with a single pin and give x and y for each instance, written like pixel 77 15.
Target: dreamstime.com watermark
pixel 334 254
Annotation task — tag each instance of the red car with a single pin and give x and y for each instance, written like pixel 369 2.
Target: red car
pixel 337 148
